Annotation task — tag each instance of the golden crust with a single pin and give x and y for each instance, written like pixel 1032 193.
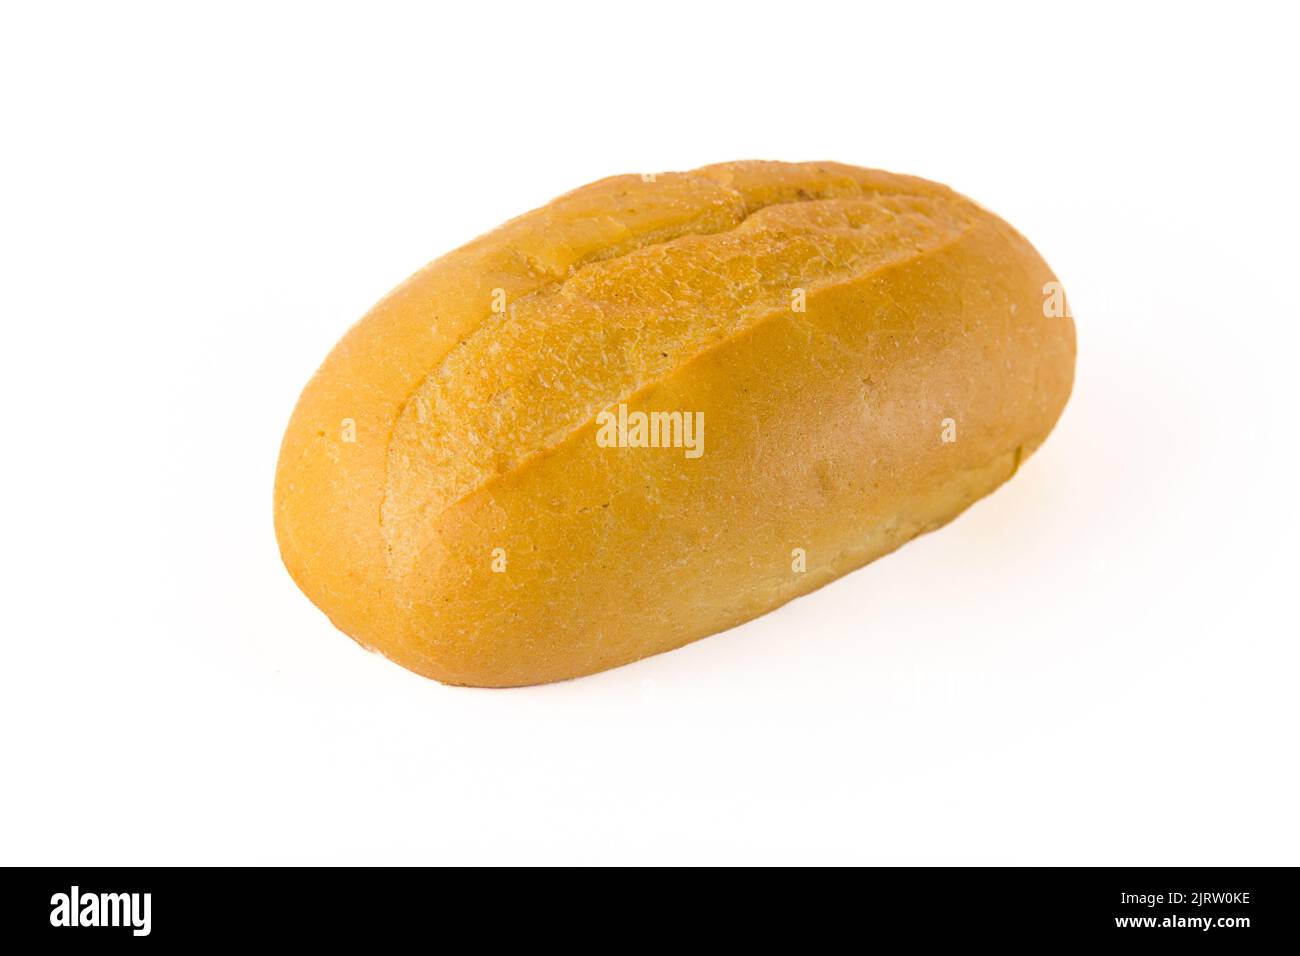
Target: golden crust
pixel 475 431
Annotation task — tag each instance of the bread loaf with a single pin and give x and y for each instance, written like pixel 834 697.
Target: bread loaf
pixel 660 406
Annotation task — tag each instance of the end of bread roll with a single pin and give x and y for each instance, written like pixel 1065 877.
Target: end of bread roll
pixel 866 354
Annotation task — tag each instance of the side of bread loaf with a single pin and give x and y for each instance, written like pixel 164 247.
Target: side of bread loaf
pixel 865 354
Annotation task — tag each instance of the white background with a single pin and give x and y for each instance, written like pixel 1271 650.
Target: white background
pixel 1096 665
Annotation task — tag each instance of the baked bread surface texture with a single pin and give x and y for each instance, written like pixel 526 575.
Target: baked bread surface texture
pixel 867 353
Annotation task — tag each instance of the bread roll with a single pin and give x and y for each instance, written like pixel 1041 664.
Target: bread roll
pixel 486 480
